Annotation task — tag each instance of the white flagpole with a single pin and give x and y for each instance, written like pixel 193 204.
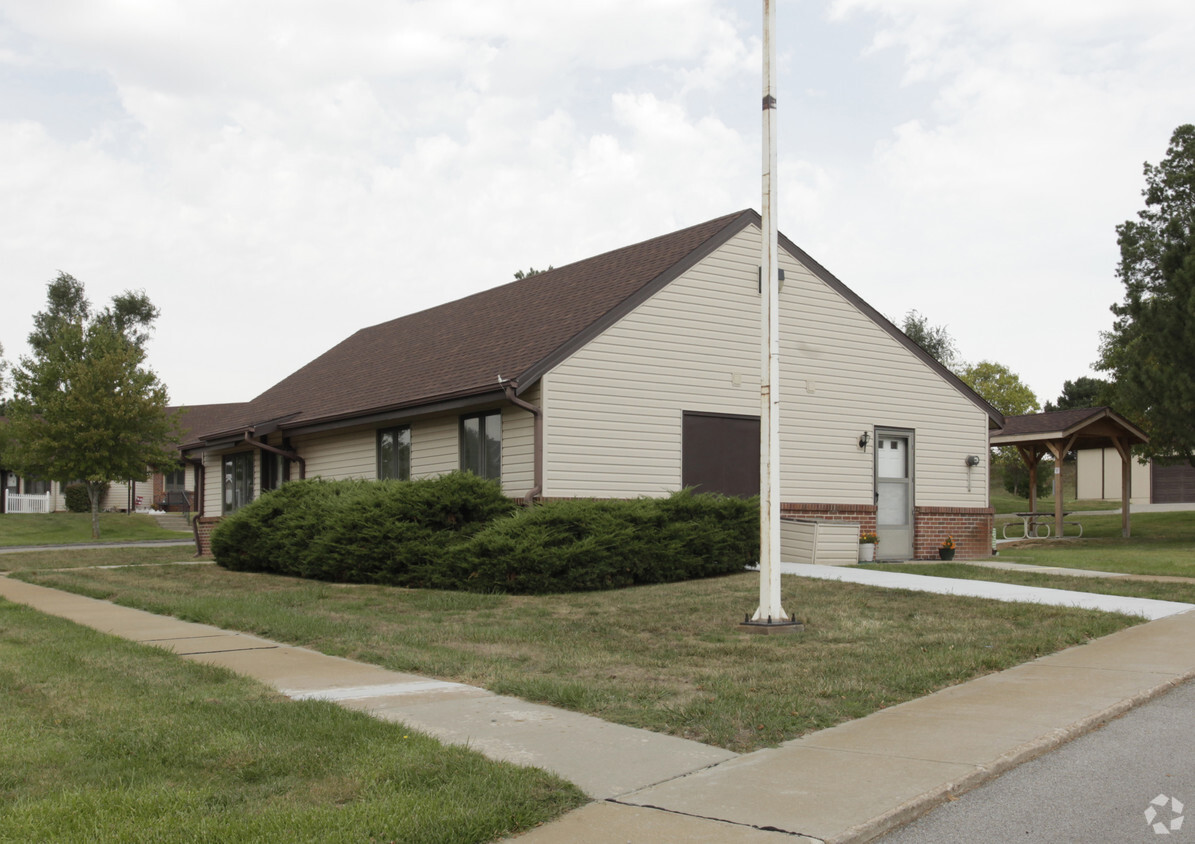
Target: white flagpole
pixel 769 610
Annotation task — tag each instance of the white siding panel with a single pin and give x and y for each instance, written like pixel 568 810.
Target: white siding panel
pixel 614 408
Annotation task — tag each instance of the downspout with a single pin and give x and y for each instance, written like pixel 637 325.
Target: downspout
pixel 509 386
pixel 289 455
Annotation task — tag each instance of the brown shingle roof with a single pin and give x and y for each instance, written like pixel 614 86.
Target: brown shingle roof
pixel 195 420
pixel 519 330
pixel 1092 425
pixel 460 348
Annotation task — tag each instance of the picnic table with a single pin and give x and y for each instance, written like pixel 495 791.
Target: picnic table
pixel 1032 523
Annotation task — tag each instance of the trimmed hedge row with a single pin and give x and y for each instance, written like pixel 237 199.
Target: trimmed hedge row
pixel 460 532
pixel 357 531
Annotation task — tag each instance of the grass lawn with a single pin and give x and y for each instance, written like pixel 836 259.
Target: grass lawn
pixel 106 740
pixel 65 528
pixel 668 657
pixel 54 558
pixel 1161 544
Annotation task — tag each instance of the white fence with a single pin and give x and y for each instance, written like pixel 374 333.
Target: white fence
pixel 14 503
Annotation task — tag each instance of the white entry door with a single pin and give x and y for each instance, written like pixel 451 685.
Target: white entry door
pixel 894 494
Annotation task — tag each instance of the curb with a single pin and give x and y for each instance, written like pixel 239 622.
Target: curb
pixel 924 803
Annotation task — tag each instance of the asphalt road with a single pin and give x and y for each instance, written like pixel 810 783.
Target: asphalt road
pixel 1094 789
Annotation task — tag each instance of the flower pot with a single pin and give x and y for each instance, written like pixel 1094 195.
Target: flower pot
pixel 867 552
pixel 945 553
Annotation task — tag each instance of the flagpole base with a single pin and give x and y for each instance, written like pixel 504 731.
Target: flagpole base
pixel 768 626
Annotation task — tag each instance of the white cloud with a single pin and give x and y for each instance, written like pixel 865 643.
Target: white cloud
pixel 279 174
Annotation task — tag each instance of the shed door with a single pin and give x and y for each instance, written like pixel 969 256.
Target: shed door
pixel 894 494
pixel 720 453
pixel 1174 484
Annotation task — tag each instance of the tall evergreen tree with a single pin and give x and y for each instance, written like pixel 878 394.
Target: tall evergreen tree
pixel 1150 351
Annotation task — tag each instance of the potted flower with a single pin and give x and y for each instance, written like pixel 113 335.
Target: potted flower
pixel 867 546
pixel 946 549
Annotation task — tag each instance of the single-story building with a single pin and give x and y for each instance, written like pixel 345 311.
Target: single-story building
pixel 1098 474
pixel 636 373
pixel 171 490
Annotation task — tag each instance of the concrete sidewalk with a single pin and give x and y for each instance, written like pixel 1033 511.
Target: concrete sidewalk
pixel 846 784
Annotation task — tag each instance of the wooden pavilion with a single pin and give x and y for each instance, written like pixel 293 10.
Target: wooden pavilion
pixel 1062 431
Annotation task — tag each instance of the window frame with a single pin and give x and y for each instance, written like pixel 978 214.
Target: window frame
pixel 489 465
pixel 275 470
pixel 231 460
pixel 402 457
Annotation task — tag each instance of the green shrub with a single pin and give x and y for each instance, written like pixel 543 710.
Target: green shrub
pixel 459 532
pixel 77 500
pixel 573 546
pixel 356 531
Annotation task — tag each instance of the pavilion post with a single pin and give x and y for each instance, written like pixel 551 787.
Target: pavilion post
pixel 1030 456
pixel 1059 449
pixel 1126 470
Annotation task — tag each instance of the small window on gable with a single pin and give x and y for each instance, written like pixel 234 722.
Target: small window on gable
pixel 481 444
pixel 394 453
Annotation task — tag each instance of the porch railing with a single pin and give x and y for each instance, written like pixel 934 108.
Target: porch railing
pixel 14 503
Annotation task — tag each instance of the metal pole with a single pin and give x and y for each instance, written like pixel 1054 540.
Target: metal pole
pixel 769 388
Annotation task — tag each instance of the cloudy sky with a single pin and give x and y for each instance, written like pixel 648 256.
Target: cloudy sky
pixel 276 174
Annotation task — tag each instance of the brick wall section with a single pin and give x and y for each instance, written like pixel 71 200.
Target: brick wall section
pixel 971 528
pixel 864 514
pixel 203 527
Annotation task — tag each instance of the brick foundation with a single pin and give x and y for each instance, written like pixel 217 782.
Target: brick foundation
pixel 202 526
pixel 864 514
pixel 971 528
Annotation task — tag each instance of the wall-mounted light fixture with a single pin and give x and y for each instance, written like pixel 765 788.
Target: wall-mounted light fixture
pixel 972 460
pixel 864 439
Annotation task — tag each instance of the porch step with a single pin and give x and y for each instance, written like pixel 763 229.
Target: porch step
pixel 172 521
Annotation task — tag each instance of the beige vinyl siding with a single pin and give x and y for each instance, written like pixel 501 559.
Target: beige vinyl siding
pixel 1098 474
pixel 518 447
pixel 435 444
pixel 843 375
pixel 798 540
pixel 337 455
pixel 822 543
pixel 117 497
pixel 614 408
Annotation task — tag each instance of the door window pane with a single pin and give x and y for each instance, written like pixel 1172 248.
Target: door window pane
pixel 892 505
pixel 892 457
pixel 238 481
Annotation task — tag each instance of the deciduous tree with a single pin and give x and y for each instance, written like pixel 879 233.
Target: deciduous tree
pixel 85 407
pixel 1001 387
pixel 1004 390
pixel 1150 351
pixel 935 339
